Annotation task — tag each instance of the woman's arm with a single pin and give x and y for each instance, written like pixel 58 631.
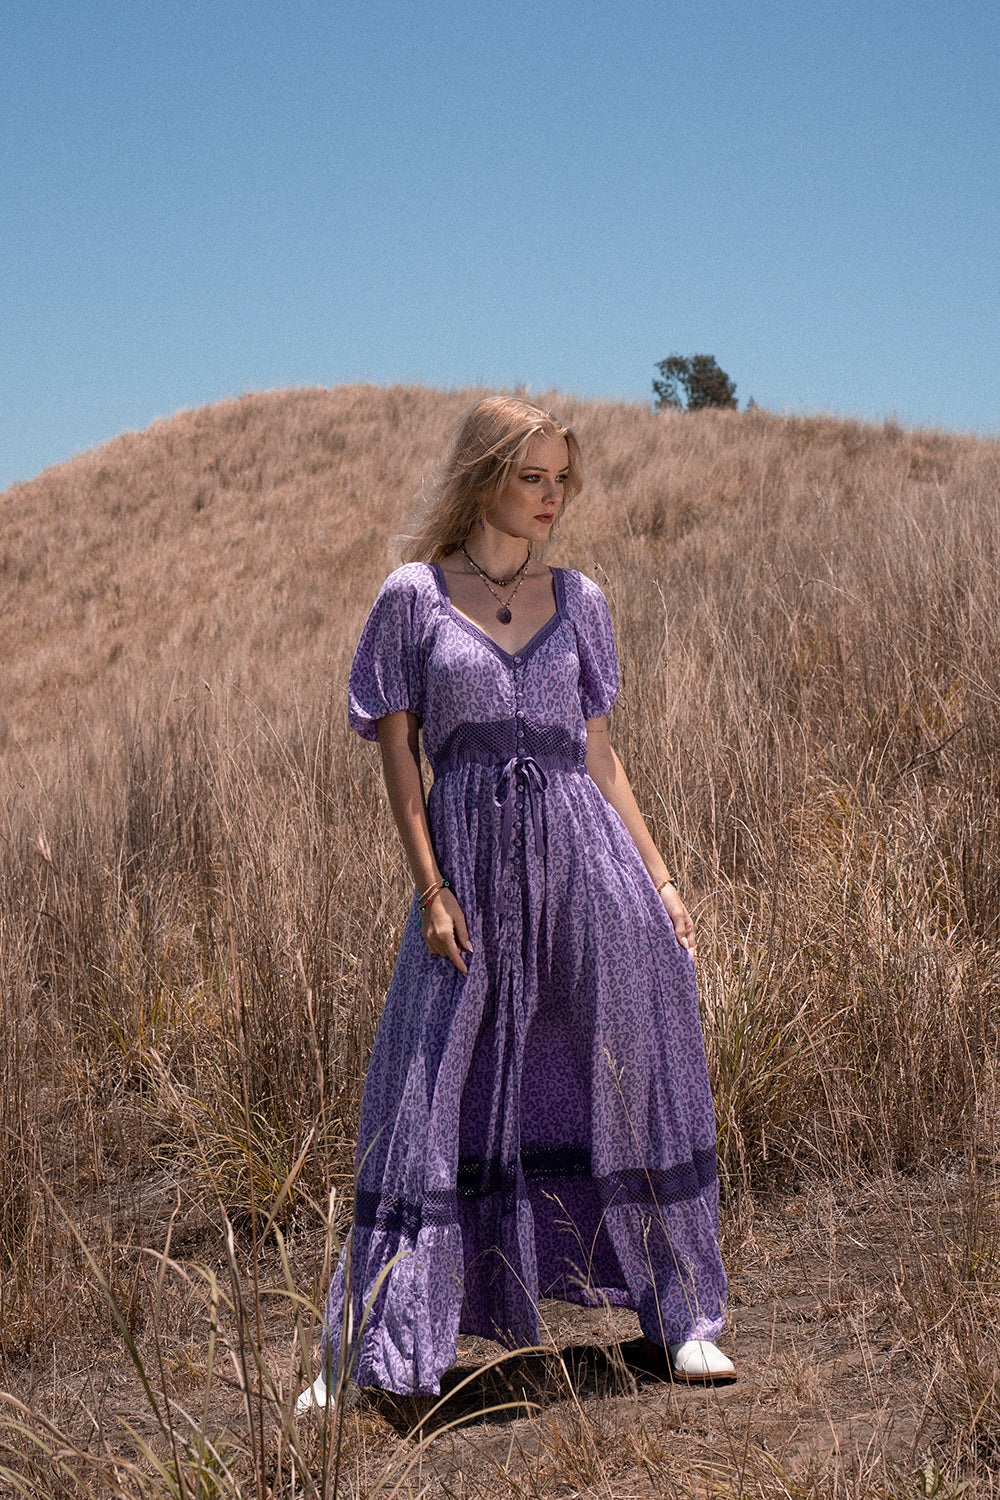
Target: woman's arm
pixel 442 922
pixel 607 773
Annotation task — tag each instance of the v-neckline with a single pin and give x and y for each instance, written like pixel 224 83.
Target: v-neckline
pixel 510 658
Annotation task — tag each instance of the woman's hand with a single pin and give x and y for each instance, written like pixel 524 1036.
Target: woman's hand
pixel 680 916
pixel 444 930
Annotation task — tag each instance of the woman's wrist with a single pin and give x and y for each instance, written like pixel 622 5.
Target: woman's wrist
pixel 425 897
pixel 424 874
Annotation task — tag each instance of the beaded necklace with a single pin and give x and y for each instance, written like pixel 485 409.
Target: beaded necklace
pixel 503 613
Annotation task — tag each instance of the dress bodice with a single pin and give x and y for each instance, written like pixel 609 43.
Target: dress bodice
pixel 476 701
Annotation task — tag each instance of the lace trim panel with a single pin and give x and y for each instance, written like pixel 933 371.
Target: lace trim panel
pixel 479 1180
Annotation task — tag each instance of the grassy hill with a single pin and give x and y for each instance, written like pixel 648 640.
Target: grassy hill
pixel 201 889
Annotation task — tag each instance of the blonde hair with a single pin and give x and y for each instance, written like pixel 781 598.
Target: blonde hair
pixel 490 447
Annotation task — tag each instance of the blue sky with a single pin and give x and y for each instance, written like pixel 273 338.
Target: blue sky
pixel 200 199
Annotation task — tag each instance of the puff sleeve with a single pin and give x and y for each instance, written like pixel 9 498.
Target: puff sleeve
pixel 385 674
pixel 597 653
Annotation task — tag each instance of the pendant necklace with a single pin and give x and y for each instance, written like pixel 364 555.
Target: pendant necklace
pixel 503 613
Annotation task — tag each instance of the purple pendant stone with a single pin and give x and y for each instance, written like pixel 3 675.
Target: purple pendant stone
pixel 503 615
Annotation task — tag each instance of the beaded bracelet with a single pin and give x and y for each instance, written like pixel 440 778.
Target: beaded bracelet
pixel 424 900
pixel 669 881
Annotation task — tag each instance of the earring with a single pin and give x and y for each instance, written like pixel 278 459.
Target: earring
pixel 481 524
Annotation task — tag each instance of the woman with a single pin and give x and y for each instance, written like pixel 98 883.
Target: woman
pixel 536 1118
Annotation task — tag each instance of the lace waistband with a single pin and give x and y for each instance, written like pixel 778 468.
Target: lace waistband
pixel 502 741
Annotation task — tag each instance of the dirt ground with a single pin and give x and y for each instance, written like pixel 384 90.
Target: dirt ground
pixel 828 1381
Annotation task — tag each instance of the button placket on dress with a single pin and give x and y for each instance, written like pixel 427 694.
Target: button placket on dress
pixel 520 790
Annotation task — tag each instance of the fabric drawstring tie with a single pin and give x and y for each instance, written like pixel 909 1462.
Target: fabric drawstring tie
pixel 535 782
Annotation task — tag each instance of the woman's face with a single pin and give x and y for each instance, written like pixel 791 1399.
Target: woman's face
pixel 533 497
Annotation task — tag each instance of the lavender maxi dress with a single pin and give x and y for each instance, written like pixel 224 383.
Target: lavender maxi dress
pixel 543 1126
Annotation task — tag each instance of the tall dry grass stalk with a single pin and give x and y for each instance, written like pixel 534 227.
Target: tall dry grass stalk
pixel 201 890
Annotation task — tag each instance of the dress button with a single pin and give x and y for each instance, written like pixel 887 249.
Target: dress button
pixel 517 661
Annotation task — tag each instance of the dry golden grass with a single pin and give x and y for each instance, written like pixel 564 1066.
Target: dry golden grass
pixel 201 891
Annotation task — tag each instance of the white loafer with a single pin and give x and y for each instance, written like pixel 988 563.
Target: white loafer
pixel 316 1397
pixel 700 1362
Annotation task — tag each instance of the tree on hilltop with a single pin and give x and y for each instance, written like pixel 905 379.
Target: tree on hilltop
pixel 699 378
